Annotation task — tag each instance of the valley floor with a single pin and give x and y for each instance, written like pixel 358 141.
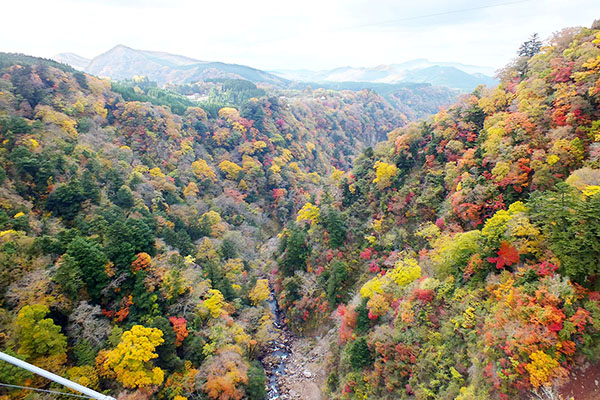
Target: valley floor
pixel 304 377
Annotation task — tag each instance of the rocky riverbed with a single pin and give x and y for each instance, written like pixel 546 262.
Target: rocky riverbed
pixel 275 359
pixel 304 378
pixel 293 366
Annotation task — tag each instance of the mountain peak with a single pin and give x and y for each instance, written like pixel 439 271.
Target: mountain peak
pixel 124 62
pixel 74 60
pixel 120 48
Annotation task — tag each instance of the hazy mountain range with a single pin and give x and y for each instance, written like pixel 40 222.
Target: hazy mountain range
pixel 453 75
pixel 122 62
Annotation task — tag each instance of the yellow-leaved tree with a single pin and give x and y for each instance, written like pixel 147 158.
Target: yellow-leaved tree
pixel 131 359
pixel 191 190
pixel 308 213
pixel 203 171
pixel 336 174
pixel 215 303
pixel 231 169
pixel 260 292
pixel 543 369
pixel 213 221
pixel 404 272
pixel 385 172
pixel 86 376
pixel 378 305
pixel 229 113
pixel 156 173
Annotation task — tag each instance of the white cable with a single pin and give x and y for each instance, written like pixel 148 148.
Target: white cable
pixel 45 391
pixel 53 377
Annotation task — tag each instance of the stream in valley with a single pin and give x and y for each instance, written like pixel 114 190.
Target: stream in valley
pixel 274 360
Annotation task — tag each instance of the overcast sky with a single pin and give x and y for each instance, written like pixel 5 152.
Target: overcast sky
pixel 275 34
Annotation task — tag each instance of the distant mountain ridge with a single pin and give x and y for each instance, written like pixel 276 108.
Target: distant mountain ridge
pixel 122 62
pixel 74 60
pixel 453 75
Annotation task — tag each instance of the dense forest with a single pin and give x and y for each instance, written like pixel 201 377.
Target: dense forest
pixel 143 228
pixel 461 256
pixel 136 224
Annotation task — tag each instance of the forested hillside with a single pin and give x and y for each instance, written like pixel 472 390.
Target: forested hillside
pixel 133 223
pixel 461 256
pixel 143 227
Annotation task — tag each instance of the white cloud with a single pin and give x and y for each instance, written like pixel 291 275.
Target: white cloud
pixel 272 34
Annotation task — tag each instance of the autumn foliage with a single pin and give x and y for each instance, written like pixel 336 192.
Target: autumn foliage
pixel 471 240
pixel 131 360
pixel 142 232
